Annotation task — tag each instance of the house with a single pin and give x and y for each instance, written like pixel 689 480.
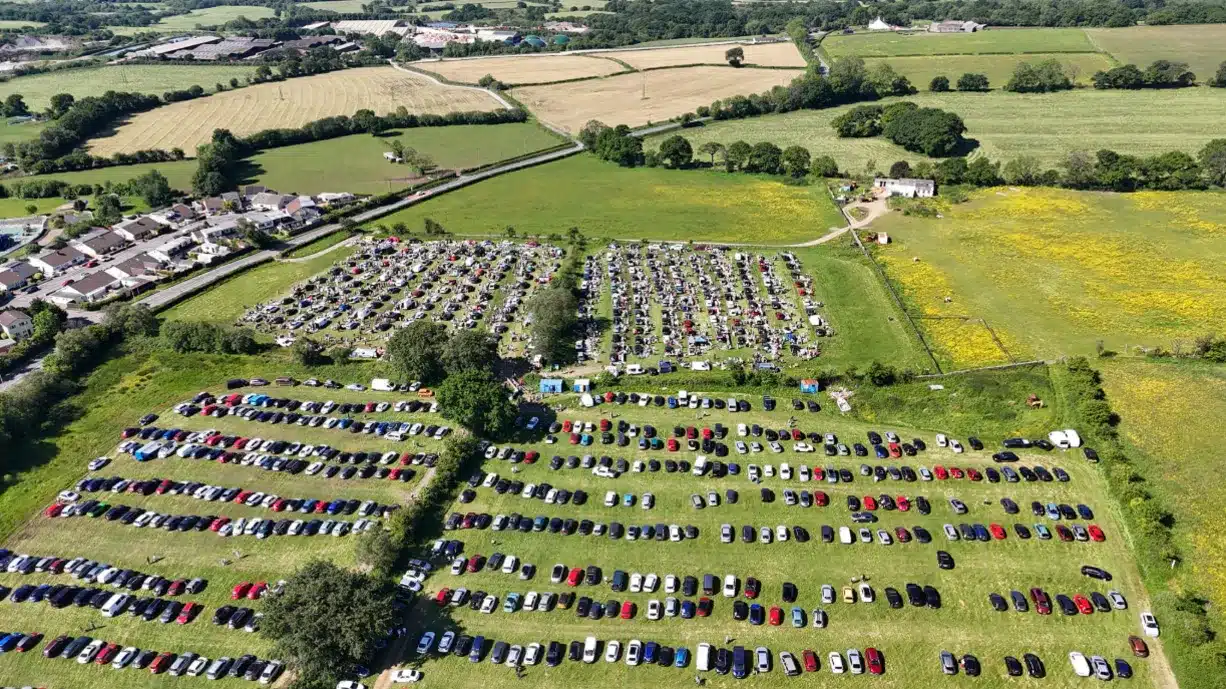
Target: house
pixel 267 221
pixel 305 215
pixel 16 325
pixel 212 251
pixel 252 189
pixel 91 288
pixel 212 205
pixel 955 26
pixel 334 198
pixel 53 263
pixel 137 266
pixel 168 251
pixel 139 229
pixel 16 275
pixel 216 233
pixel 184 212
pixel 100 243
pixel 299 203
pixel 551 386
pixel 6 345
pixel 910 188
pixel 270 201
pixel 810 385
pixel 582 385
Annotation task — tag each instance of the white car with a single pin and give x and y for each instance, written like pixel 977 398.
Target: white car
pixel 867 595
pixel 96 464
pixel 648 501
pixel 1081 666
pixel 742 430
pixel 730 586
pixel 835 662
pixel 785 471
pixel 636 582
pixel 670 583
pixel 845 535
pixel 634 652
pixel 781 533
pixel 764 534
pixel 653 609
pixel 651 582
pixel 803 447
pixel 612 651
pixel 425 643
pixel 532 654
pixel 942 441
pixel 955 446
pixel 510 565
pixel 1149 625
pixel 610 499
pixel 407 676
pixel 589 650
pixel 489 605
pixel 725 533
pixel 855 661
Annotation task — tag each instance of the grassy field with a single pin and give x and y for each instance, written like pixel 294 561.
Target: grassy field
pixel 999 41
pixel 765 55
pixel 522 69
pixel 1055 272
pixel 156 79
pixel 336 5
pixel 20 24
pixel 1198 45
pixel 1159 402
pixel 642 203
pixel 289 104
pixel 320 244
pixel 998 68
pixel 1008 125
pixel 638 99
pixel 211 16
pixel 910 638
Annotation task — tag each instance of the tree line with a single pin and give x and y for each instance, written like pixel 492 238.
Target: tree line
pixel 931 131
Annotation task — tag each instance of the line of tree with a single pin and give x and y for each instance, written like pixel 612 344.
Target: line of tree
pixel 1161 74
pixel 1219 78
pixel 1045 76
pixel 84 118
pixel 970 81
pixel 934 132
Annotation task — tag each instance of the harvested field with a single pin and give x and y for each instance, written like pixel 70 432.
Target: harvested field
pixel 523 69
pixel 154 79
pixel 768 55
pixel 291 103
pixel 637 99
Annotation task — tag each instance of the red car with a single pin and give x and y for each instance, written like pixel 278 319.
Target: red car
pixel 876 661
pixel 705 605
pixel 575 576
pixel 673 445
pixel 164 486
pixel 107 654
pixel 240 590
pixel 903 503
pixel 752 587
pixel 973 474
pixel 162 663
pixel 797 435
pixel 241 497
pixel 691 433
pixel 940 472
pixel 707 433
pixel 819 474
pixel 1139 649
pixel 776 616
pixel 903 535
pixel 278 505
pixel 574 438
pixel 442 597
pixel 810 660
pixel 628 610
pixel 870 503
pixel 53 510
pixel 998 531
pixel 955 472
pixel 1084 606
pixel 605 425
pixel 257 591
pixel 895 451
pixel 474 563
pixel 1042 601
pixel 218 523
pixel 1065 533
pixel 177 587
pixel 188 613
pixel 531 456
pixel 820 498
pixel 1096 533
pixel 393 475
pixel 567 426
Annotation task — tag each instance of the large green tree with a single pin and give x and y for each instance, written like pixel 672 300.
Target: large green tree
pixel 676 152
pixel 736 155
pixel 1213 160
pixel 416 351
pixel 327 620
pixel 477 402
pixel 470 350
pixel 554 318
pixel 796 161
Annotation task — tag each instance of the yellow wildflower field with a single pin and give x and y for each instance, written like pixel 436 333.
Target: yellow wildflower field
pixel 1054 272
pixel 1158 403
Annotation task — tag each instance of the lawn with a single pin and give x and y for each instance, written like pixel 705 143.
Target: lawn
pixel 910 638
pixel 17 133
pixel 609 202
pixel 211 16
pixel 94 81
pixel 1198 45
pixel 996 41
pixel 998 68
pixel 1007 125
pixel 325 242
pixel 1055 273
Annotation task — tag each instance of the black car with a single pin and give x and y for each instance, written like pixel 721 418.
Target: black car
pixel 893 597
pixel 827 533
pixel 945 560
pixel 576 650
pixel 789 592
pixel 970 665
pixel 1122 669
pixel 932 597
pixel 1034 666
pixel 1066 604
pixel 1013 666
pixel 915 596
pixel 740 610
pixel 1096 573
pixel 998 602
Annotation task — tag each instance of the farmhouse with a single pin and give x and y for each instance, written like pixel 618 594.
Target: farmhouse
pixel 378 27
pixel 337 43
pixel 16 325
pixel 910 188
pixel 179 45
pixel 55 262
pixel 955 26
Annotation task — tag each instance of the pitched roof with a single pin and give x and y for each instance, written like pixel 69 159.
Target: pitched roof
pixel 10 317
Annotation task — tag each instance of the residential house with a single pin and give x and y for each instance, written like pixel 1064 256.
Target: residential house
pixel 216 233
pixel 7 344
pixel 252 189
pixel 16 325
pixel 53 263
pixel 233 198
pixel 269 201
pixel 184 212
pixel 910 188
pixel 139 229
pixel 100 243
pixel 212 205
pixel 334 198
pixel 171 249
pixel 137 266
pixel 91 288
pixel 16 275
pixel 267 221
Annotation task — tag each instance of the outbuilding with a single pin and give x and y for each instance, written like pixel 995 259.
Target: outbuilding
pixel 810 385
pixel 551 386
pixel 582 385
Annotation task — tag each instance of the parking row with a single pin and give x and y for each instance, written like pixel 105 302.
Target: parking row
pixel 85 569
pixel 389 430
pixel 138 517
pixel 206 401
pixel 87 650
pixel 109 603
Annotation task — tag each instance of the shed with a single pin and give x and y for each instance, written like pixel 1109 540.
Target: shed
pixel 560 39
pixel 809 385
pixel 582 385
pixel 535 42
pixel 551 386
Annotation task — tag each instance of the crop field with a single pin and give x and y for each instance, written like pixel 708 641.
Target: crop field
pixel 288 104
pixel 638 99
pixel 522 69
pixel 1020 260
pixel 764 55
pixel 1198 45
pixel 155 79
pixel 1159 402
pixel 1007 125
pixel 211 16
pixel 998 68
pixel 654 204
pixel 999 41
pixel 910 638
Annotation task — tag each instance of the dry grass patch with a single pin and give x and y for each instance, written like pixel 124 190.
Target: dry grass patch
pixel 523 69
pixel 637 99
pixel 765 55
pixel 290 103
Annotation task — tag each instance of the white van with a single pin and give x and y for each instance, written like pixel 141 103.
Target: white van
pixel 704 657
pixel 844 535
pixel 116 604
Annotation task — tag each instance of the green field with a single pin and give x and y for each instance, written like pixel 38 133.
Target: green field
pixel 1199 45
pixel 998 68
pixel 1054 272
pixel 89 81
pixel 211 16
pixel 336 5
pixel 1008 125
pixel 633 204
pixel 325 242
pixel 20 24
pixel 992 41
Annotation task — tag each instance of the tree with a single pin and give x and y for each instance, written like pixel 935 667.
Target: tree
pixel 131 320
pixel 712 148
pixel 900 170
pixel 735 56
pixel 796 161
pixel 590 132
pixel 327 619
pixel 1041 77
pixel 470 350
pixel 1123 77
pixel 554 319
pixel 377 550
pixel 1219 79
pixel 765 157
pixel 972 81
pixel 675 152
pixel 478 403
pixel 60 103
pixel 1213 160
pixel 15 106
pixel 1023 170
pixel 939 84
pixel 1078 170
pixel 982 172
pixel 107 209
pixel 736 155
pixel 1167 74
pixel 398 148
pixel 618 145
pixel 824 166
pixel 154 188
pixel 307 352
pixel 416 352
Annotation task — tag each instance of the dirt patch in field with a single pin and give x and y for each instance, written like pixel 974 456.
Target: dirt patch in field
pixel 765 55
pixel 291 103
pixel 637 99
pixel 523 69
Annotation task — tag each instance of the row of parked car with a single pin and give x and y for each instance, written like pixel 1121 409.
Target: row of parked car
pixel 223 526
pixel 153 443
pixel 92 571
pixel 392 430
pixel 258 399
pixel 110 604
pixel 674 533
pixel 86 650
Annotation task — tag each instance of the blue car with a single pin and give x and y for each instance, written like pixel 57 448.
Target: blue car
pixel 798 617
pixel 880 451
pixel 672 402
pixel 734 469
pixel 9 642
pixel 682 657
pixel 650 651
pixel 740 662
pixel 478 650
pixel 628 500
pixel 757 614
pixel 687 610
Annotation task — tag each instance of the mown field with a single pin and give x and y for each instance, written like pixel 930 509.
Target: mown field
pixel 522 69
pixel 763 55
pixel 998 41
pixel 211 16
pixel 1007 125
pixel 1172 415
pixel 910 638
pixel 998 68
pixel 634 204
pixel 1199 45
pixel 156 79
pixel 639 99
pixel 1054 272
pixel 288 104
